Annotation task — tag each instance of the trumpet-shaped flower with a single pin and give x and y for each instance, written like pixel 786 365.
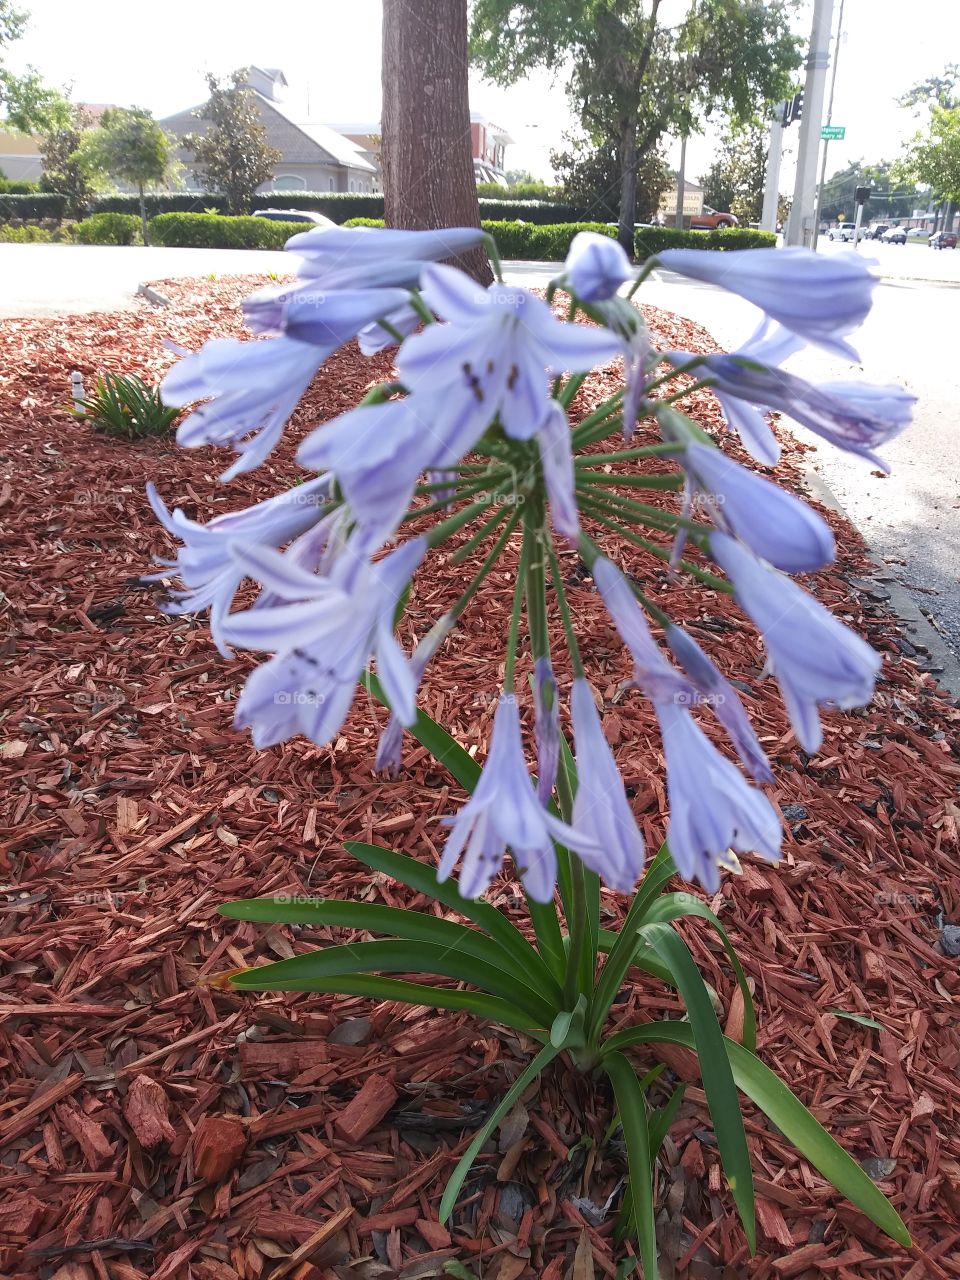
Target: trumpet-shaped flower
pixel 652 672
pixel 600 808
pixel 819 297
pixel 504 811
pixel 546 727
pixel 816 660
pixel 596 266
pixel 772 522
pixel 357 257
pixel 323 637
pixel 498 352
pixel 388 756
pixel 714 813
pixel 205 563
pixel 556 460
pixel 722 699
pixel 251 388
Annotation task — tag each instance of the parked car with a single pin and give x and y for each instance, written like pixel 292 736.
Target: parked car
pixel 917 233
pixel 845 231
pixel 711 220
pixel 295 215
pixel 943 240
pixel 896 235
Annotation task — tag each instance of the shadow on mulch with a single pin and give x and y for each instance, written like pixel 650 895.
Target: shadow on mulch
pixel 156 1127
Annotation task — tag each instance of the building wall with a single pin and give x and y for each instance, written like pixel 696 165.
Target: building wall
pixel 20 157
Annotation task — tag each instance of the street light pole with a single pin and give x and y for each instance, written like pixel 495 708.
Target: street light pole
pixel 800 225
pixel 771 189
pixel 826 143
pixel 681 181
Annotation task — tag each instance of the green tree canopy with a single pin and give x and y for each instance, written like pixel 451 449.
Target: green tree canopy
pixel 892 196
pixel 130 146
pixel 735 180
pixel 63 170
pixel 933 157
pixel 632 75
pixel 589 177
pixel 28 103
pixel 232 154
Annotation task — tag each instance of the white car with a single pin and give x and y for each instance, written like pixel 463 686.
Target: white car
pixel 845 231
pixel 918 233
pixel 295 215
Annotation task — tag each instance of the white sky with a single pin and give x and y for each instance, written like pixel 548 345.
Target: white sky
pixel 155 56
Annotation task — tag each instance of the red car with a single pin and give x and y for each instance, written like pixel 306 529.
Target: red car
pixel 943 240
pixel 711 220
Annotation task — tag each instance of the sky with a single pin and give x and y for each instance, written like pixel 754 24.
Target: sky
pixel 330 53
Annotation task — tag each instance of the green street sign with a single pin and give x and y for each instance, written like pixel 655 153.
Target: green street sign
pixel 833 132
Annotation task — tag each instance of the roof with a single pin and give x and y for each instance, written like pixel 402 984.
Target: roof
pixel 300 141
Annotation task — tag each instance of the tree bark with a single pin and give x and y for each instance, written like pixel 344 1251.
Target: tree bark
pixel 629 159
pixel 428 179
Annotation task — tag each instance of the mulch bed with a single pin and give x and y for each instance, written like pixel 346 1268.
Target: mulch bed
pixel 156 1126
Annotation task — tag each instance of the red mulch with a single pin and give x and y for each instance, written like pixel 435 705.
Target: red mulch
pixel 153 1126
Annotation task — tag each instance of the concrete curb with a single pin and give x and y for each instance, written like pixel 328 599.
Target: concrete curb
pixel 153 295
pixel 917 628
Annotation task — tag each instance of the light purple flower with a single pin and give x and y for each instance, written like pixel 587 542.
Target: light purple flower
pixel 504 810
pixel 714 813
pixel 323 639
pixel 352 257
pixel 816 660
pixel 205 564
pixel 373 338
pixel 498 352
pixel 596 266
pixel 772 522
pixel 546 727
pixel 556 460
pixel 652 672
pixel 377 451
pixel 600 808
pixel 388 757
pixel 623 319
pixel 819 297
pixel 722 699
pixel 252 388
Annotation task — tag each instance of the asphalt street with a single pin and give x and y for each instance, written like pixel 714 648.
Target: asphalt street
pixel 911 518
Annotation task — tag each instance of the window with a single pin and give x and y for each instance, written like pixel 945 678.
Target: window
pixel 289 182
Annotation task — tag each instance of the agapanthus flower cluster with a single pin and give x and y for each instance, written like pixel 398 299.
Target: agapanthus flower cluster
pixel 474 430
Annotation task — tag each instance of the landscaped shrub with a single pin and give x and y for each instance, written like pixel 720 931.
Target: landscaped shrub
pixel 22 208
pixel 650 240
pixel 15 187
pixel 157 202
pixel 109 228
pixel 523 191
pixel 127 407
pixel 214 231
pixel 24 235
pixel 545 243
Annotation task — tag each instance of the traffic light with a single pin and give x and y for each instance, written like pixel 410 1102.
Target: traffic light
pixel 862 195
pixel 795 108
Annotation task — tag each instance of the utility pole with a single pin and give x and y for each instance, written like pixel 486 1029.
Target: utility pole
pixel 826 143
pixel 681 181
pixel 771 188
pixel 800 226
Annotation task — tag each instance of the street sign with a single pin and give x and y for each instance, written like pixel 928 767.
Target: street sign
pixel 833 132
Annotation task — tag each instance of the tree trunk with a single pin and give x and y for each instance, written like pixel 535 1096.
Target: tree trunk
pixel 428 179
pixel 143 216
pixel 629 159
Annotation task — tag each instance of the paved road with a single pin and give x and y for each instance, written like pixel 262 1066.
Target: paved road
pixel 911 519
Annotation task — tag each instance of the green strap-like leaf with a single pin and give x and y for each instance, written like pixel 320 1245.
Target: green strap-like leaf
pixel 395 957
pixel 489 1008
pixel 530 1072
pixel 674 906
pixel 789 1115
pixel 633 1118
pixel 423 878
pixel 718 1083
pixel 395 922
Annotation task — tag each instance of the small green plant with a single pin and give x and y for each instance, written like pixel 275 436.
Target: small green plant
pixel 125 406
pixel 24 235
pixel 109 228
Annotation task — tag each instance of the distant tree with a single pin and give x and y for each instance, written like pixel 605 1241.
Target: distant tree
pixel 130 146
pixel 589 177
pixel 634 74
pixel 519 177
pixel 736 178
pixel 939 91
pixel 29 104
pixel 428 178
pixel 933 157
pixel 232 154
pixel 63 169
pixel 893 196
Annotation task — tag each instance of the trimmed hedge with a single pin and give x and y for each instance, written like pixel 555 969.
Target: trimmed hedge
pixel 651 240
pixel 109 228
pixel 543 243
pixel 16 187
pixel 25 235
pixel 213 231
pixel 23 208
pixel 158 202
